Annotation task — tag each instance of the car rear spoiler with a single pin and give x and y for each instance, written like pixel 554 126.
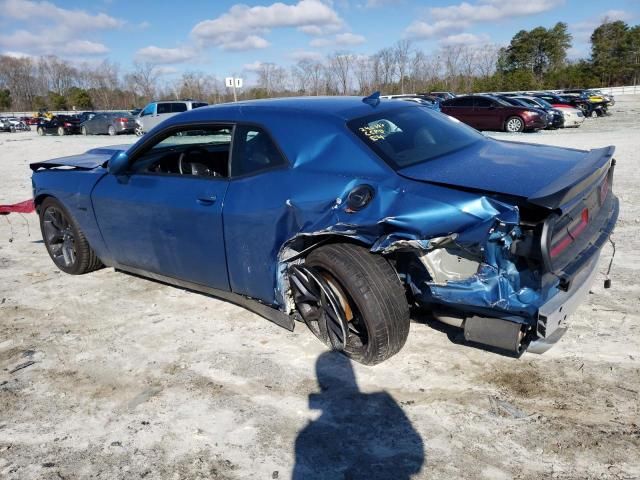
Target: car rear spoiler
pixel 595 166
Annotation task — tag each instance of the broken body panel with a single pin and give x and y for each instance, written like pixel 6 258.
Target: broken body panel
pixel 473 231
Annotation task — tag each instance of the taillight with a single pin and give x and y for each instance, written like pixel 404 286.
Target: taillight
pixel 572 232
pixel 122 119
pixel 67 124
pixel 604 190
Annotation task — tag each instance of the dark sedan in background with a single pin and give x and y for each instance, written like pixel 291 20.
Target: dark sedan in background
pixel 555 118
pixel 59 125
pixel 491 113
pixel 111 123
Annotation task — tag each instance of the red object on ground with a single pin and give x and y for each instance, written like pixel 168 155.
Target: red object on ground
pixel 23 207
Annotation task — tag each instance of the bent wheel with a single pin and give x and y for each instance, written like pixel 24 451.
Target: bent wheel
pixel 65 242
pixel 353 301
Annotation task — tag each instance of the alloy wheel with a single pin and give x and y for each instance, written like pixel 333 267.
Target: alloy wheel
pixel 326 309
pixel 59 237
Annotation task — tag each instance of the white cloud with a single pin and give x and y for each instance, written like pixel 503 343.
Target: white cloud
pixel 59 31
pixel 28 10
pixel 339 40
pixel 164 70
pixel 349 39
pixel 381 3
pixel 57 42
pixel 244 27
pixel 466 39
pixel 298 55
pixel 157 55
pixel 253 67
pixel 252 42
pixel 456 18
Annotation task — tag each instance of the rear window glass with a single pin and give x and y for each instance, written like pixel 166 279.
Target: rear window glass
pixel 409 136
pixel 198 105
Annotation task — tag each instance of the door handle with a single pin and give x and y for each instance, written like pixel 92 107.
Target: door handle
pixel 207 199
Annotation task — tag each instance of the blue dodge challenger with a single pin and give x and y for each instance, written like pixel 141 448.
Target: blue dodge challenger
pixel 343 213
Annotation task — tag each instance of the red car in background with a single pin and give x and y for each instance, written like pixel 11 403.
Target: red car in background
pixel 484 112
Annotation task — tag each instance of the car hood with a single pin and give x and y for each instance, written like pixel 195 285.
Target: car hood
pixel 96 157
pixel 541 174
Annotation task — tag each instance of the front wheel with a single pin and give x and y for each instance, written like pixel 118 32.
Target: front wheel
pixel 65 242
pixel 514 124
pixel 353 301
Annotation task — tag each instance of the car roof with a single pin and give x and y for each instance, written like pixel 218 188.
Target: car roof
pixel 345 108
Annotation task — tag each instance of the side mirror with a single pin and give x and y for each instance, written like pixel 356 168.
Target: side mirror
pixel 118 163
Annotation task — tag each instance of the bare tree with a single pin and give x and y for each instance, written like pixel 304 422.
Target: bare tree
pixel 339 63
pixel 385 63
pixel 363 69
pixel 143 79
pixel 19 75
pixel 402 52
pixel 58 75
pixel 487 60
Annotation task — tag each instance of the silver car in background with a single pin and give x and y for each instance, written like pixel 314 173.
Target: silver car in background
pixel 111 123
pixel 156 112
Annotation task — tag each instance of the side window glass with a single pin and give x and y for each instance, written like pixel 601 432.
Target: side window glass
pixel 482 102
pixel 253 151
pixel 202 152
pixel 178 107
pixel 462 102
pixel 164 108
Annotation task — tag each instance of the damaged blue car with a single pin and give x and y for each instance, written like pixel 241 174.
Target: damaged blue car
pixel 342 213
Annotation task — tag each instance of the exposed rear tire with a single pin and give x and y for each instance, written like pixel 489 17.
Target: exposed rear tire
pixel 84 131
pixel 40 131
pixel 65 242
pixel 514 124
pixel 375 299
pixel 111 130
pixel 61 131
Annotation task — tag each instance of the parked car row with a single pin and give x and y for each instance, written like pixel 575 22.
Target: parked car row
pixel 516 111
pixel 13 124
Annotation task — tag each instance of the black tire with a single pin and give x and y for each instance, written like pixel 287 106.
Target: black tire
pixel 375 295
pixel 84 259
pixel 514 124
pixel 61 131
pixel 40 131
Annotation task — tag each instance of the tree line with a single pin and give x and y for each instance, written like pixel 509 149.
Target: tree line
pixel 534 59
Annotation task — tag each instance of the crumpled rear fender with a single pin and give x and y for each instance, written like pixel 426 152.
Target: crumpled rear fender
pixel 417 219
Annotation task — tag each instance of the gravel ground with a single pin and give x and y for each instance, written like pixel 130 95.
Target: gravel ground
pixel 126 378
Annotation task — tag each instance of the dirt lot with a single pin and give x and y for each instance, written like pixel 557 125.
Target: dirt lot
pixel 135 379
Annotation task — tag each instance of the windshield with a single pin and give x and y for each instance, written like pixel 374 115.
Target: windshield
pixel 408 136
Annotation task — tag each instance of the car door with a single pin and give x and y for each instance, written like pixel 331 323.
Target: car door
pixel 486 115
pixel 147 116
pixel 97 124
pixel 460 108
pixel 254 224
pixel 164 215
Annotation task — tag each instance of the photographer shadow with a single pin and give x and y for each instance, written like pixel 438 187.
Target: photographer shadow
pixel 358 435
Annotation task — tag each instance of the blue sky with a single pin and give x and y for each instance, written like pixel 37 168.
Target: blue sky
pixel 221 37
